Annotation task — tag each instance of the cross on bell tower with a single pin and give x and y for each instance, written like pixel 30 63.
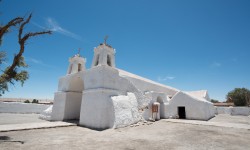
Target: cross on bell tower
pixel 104 54
pixel 79 50
pixel 105 40
pixel 76 63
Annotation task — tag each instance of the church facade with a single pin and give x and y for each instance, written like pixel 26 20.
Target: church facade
pixel 105 97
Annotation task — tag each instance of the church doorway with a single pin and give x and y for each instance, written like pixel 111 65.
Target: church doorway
pixel 182 112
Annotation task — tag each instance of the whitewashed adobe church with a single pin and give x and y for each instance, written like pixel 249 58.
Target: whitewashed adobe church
pixel 105 97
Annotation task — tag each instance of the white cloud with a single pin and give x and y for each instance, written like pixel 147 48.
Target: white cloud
pixel 54 26
pixel 216 65
pixel 51 24
pixel 35 61
pixel 38 62
pixel 166 78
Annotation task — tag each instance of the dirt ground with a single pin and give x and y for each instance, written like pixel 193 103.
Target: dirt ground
pixel 13 118
pixel 159 135
pixel 231 119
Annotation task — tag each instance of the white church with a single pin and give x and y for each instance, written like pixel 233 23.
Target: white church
pixel 105 96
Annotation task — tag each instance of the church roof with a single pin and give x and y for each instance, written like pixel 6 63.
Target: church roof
pixel 200 93
pixel 128 74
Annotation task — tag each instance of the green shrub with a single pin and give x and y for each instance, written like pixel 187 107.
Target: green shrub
pixel 214 101
pixel 35 101
pixel 26 101
pixel 239 96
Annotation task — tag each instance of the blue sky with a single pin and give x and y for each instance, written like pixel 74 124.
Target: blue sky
pixel 189 45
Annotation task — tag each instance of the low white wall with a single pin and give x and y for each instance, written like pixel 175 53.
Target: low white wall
pixel 245 111
pixel 223 110
pixel 15 107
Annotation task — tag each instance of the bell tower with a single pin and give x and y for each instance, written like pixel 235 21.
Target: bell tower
pixel 104 54
pixel 76 64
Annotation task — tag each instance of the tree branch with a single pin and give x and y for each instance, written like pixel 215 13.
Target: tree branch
pixel 5 28
pixel 22 26
pixel 10 72
pixel 28 35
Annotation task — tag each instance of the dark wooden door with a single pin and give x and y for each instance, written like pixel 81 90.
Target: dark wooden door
pixel 182 112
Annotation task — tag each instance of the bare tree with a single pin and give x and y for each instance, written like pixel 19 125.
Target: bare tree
pixel 12 74
pixel 4 29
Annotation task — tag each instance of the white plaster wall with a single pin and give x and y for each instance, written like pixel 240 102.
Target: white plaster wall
pixel 98 82
pixel 104 77
pixel 58 106
pixel 161 98
pixel 108 78
pixel 195 108
pixel 147 111
pixel 66 106
pixel 15 107
pixel 207 97
pixel 152 98
pixel 71 83
pixel 97 109
pixel 125 110
pixel 73 66
pixel 103 51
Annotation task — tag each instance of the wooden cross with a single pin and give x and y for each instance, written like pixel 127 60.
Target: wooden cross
pixel 105 40
pixel 79 49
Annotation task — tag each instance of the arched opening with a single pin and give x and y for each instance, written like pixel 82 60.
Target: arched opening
pixel 97 60
pixel 70 68
pixel 79 67
pixel 162 108
pixel 109 60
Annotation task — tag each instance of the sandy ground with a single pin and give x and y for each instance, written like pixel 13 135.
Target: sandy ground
pixel 11 118
pixel 231 119
pixel 159 135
